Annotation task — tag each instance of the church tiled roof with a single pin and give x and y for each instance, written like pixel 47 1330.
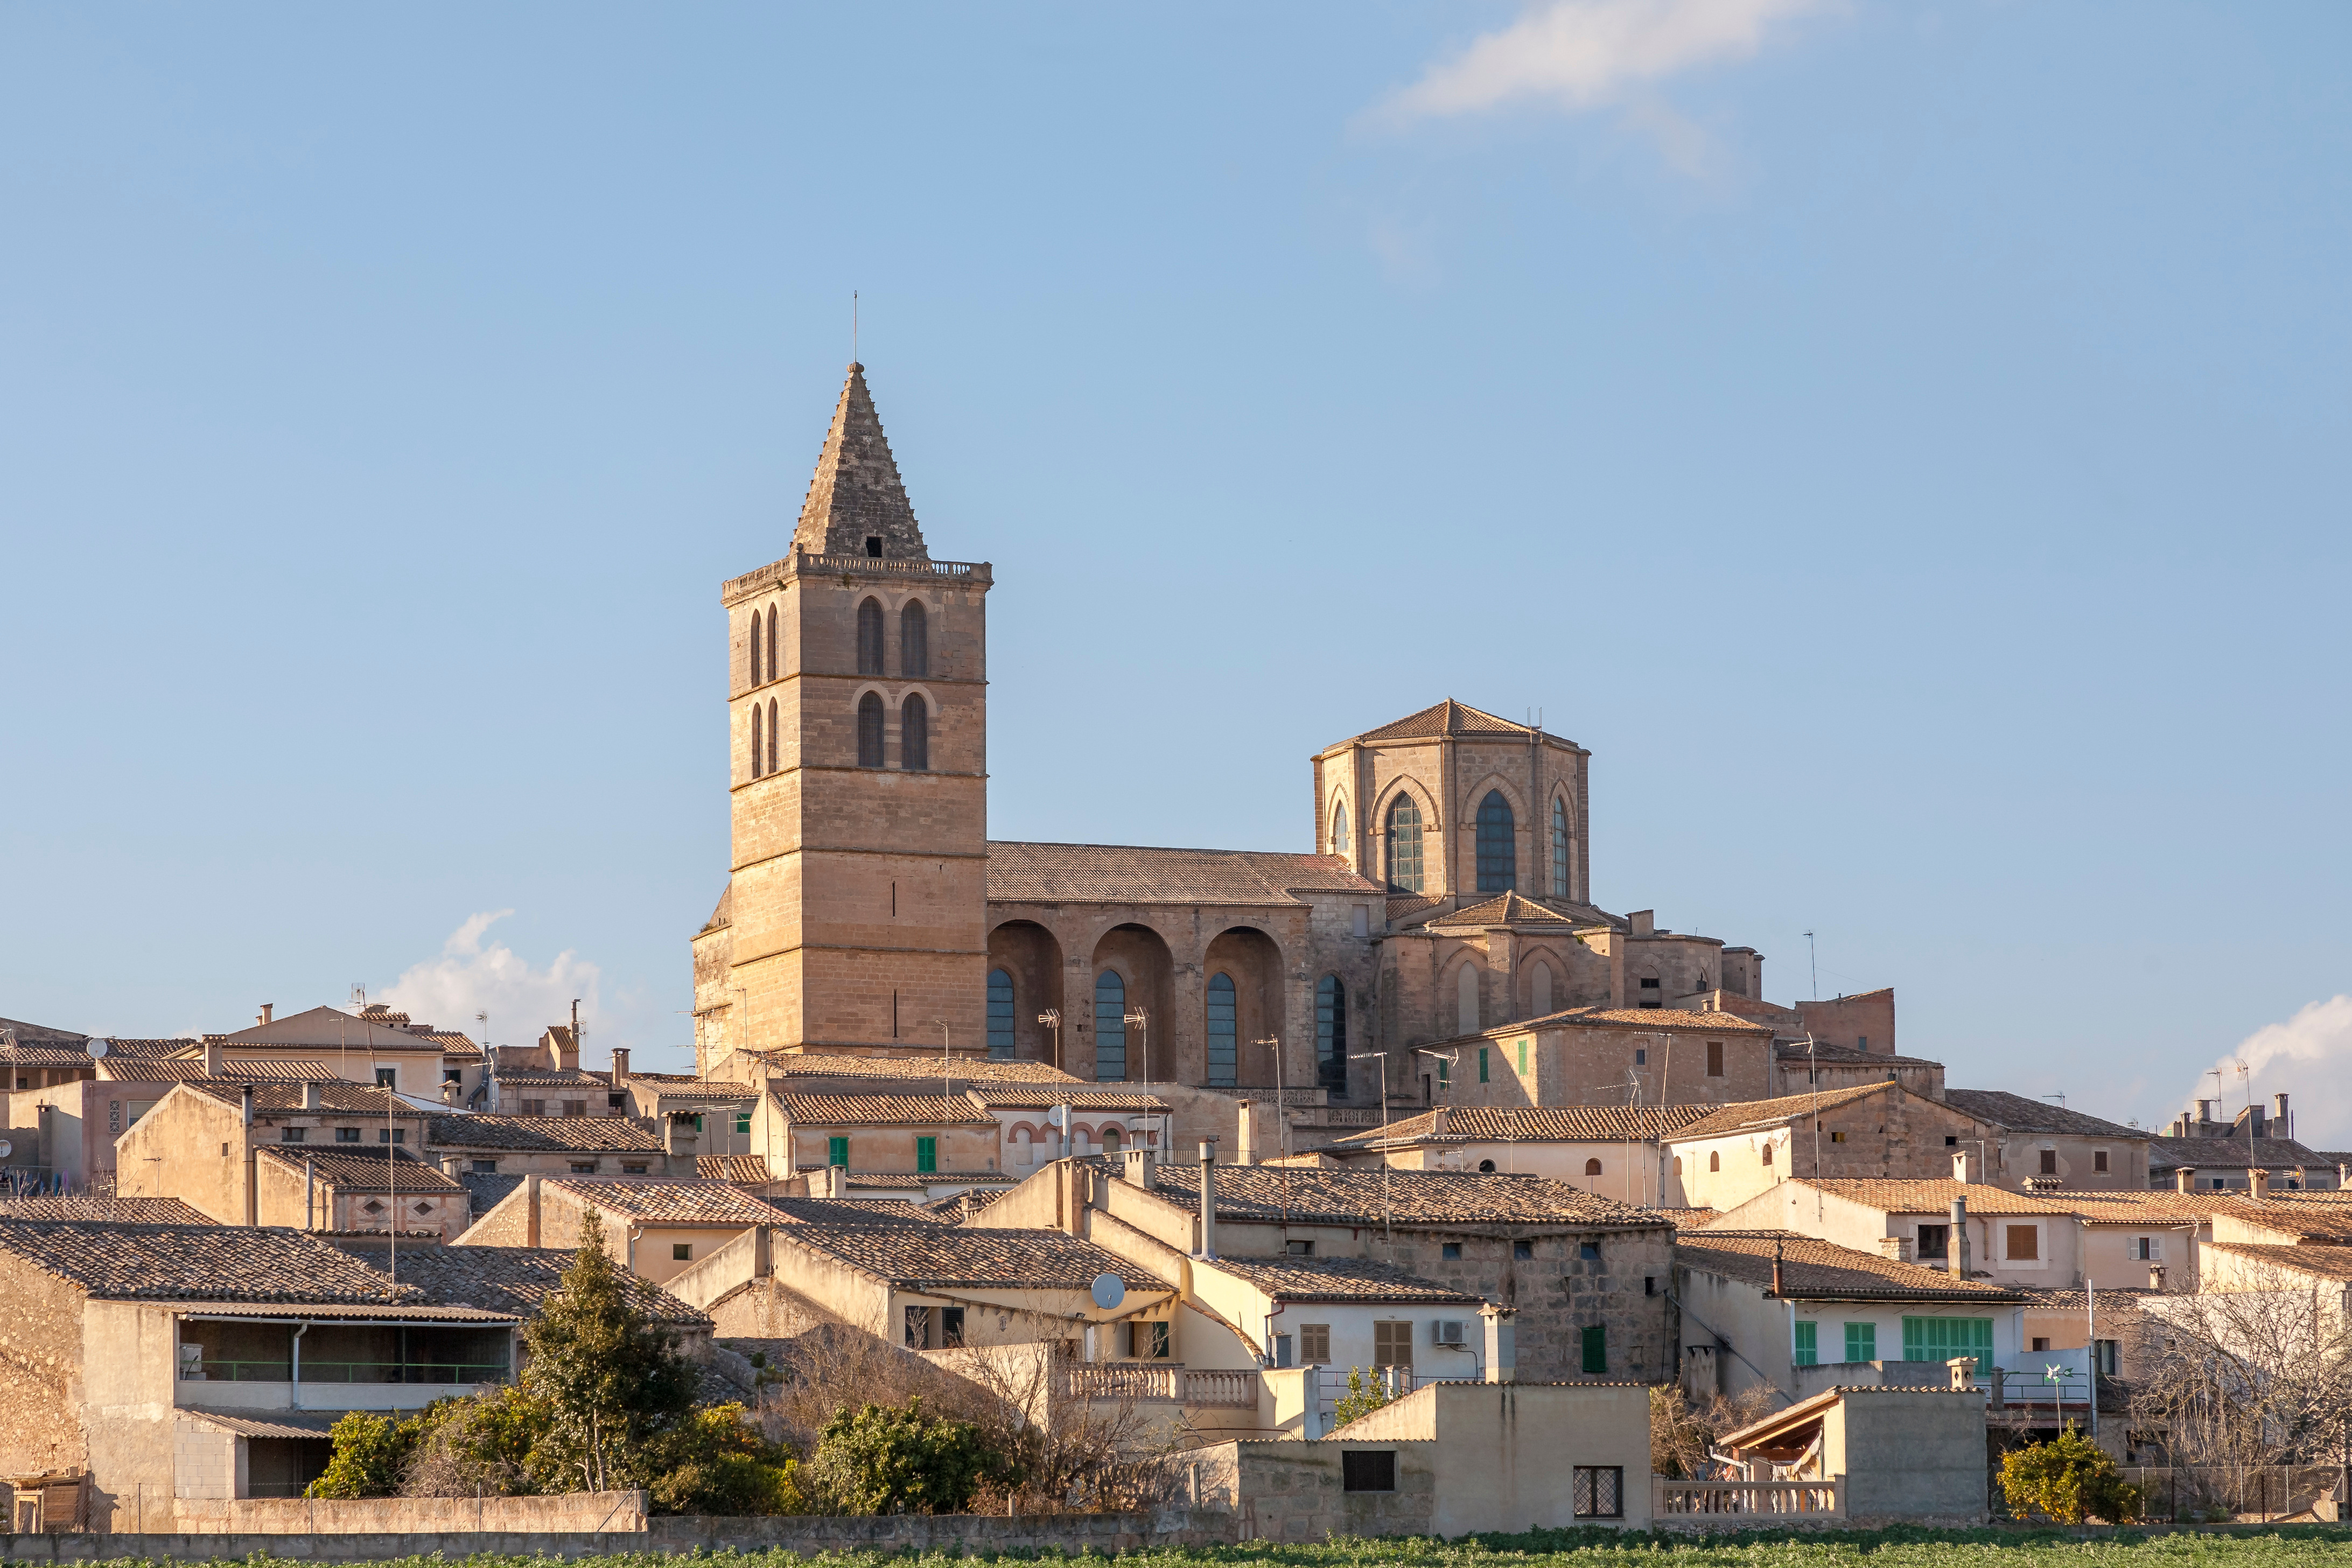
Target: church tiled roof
pixel 1124 874
pixel 1446 718
pixel 882 1111
pixel 1505 909
pixel 856 493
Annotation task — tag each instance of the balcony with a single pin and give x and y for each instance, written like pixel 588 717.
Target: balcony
pixel 1146 1383
pixel 1673 1502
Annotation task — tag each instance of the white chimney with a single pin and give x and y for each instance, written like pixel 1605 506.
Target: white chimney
pixel 270 1007
pixel 2184 1179
pixel 314 1096
pixel 212 1058
pixel 2258 1181
pixel 1964 1166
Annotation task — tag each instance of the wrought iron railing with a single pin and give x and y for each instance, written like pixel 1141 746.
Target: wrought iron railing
pixel 219 1371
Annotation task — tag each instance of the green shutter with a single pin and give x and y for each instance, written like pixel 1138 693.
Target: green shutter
pixel 1482 1064
pixel 742 1121
pixel 1523 1056
pixel 1808 1352
pixel 1862 1342
pixel 1596 1349
pixel 927 1154
pixel 1941 1339
pixel 1442 1066
pixel 836 1151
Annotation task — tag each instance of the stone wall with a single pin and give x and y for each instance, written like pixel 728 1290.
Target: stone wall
pixel 40 1370
pixel 570 1513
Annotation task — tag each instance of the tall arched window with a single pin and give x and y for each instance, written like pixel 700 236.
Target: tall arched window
pixel 1112 1139
pixel 1110 1027
pixel 775 654
pixel 1539 989
pixel 759 654
pixel 1000 1015
pixel 914 734
pixel 1499 861
pixel 1331 1034
pixel 1405 845
pixel 914 640
pixel 771 734
pixel 1223 1054
pixel 869 636
pixel 757 732
pixel 1339 845
pixel 869 731
pixel 1465 1000
pixel 1559 850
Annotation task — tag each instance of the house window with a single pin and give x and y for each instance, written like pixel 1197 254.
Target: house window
pixel 1367 1470
pixel 1498 845
pixel 1715 1058
pixel 1641 1056
pixel 919 1328
pixel 1111 1135
pixel 584 1167
pixel 2040 1344
pixel 915 734
pixel 575 1108
pixel 636 1169
pixel 2108 1356
pixel 1110 1027
pixel 1559 850
pixel 1597 1491
pixel 292 1135
pixel 927 1155
pixel 392 1135
pixel 387 1077
pixel 837 1152
pixel 1148 1342
pixel 742 1121
pixel 1934 1241
pixel 1838 1137
pixel 1588 1251
pixel 1523 1250
pixel 1806 1349
pixel 869 731
pixel 1715 1160
pixel 347 1134
pixel 1403 839
pixel 2147 1249
pixel 1332 1035
pixel 486 1167
pixel 2099 1160
pixel 1593 1167
pixel 1299 1248
pixel 1000 1015
pixel 914 640
pixel 1862 1342
pixel 1768 1153
pixel 950 1327
pixel 2050 1161
pixel 1596 1350
pixel 1943 1339
pixel 869 636
pixel 1282 1351
pixel 1450 1250
pixel 681 1252
pixel 1315 1345
pixel 1862 1042
pixel 1391 1344
pixel 1223 1012
pixel 534 1108
pixel 2024 1243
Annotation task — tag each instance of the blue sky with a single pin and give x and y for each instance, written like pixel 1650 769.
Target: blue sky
pixel 1906 443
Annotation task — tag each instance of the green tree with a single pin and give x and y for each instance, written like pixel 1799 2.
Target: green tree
pixel 713 1463
pixel 612 1380
pixel 369 1459
pixel 2067 1478
pixel 885 1459
pixel 1365 1395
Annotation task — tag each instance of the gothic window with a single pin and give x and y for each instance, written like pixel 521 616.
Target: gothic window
pixel 1110 1027
pixel 756 734
pixel 914 640
pixel 869 731
pixel 771 734
pixel 1497 848
pixel 1223 1017
pixel 1000 1015
pixel 1465 1000
pixel 1331 1034
pixel 1559 850
pixel 1339 845
pixel 775 654
pixel 758 660
pixel 914 734
pixel 1405 845
pixel 1539 989
pixel 869 636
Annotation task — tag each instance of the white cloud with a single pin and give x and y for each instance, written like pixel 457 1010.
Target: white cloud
pixel 2310 1056
pixel 1579 55
pixel 469 978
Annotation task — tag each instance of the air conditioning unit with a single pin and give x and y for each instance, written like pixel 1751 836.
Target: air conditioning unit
pixel 1450 1331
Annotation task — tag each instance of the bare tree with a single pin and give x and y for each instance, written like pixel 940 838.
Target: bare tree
pixel 2260 1373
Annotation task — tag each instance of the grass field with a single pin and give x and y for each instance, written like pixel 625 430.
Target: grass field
pixel 2254 1547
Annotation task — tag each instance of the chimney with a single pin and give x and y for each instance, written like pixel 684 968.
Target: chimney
pixel 678 1140
pixel 2155 1276
pixel 1245 1135
pixel 1964 1167
pixel 450 1092
pixel 531 1211
pixel 1777 1287
pixel 2254 1114
pixel 314 1096
pixel 1142 1168
pixel 1208 1197
pixel 1956 1248
pixel 1644 922
pixel 266 1009
pixel 1502 1335
pixel 2184 1179
pixel 836 1181
pixel 2258 1183
pixel 568 1057
pixel 2204 1110
pixel 245 1107
pixel 211 1057
pixel 1964 1372
pixel 452 1165
pixel 1895 1248
pixel 620 1066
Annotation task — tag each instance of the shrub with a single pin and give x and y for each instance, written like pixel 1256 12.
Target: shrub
pixel 1365 1395
pixel 713 1463
pixel 2067 1478
pixel 885 1459
pixel 370 1456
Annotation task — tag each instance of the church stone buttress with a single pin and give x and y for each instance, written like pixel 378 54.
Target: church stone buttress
pixel 855 912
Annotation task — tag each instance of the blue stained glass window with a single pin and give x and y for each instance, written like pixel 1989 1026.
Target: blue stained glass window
pixel 1559 850
pixel 1339 845
pixel 1331 1034
pixel 1110 1027
pixel 1223 1014
pixel 1000 1015
pixel 1499 861
pixel 1405 845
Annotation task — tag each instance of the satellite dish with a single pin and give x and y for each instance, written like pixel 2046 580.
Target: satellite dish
pixel 98 1048
pixel 1059 1117
pixel 7 1148
pixel 1108 1291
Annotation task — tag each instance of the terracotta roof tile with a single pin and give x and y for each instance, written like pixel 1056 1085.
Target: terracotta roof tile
pixel 286 1099
pixel 962 1205
pixel 1406 1197
pixel 548 1134
pixel 1743 1114
pixel 1927 1195
pixel 1647 1018
pixel 1339 1280
pixel 740 1170
pixel 144 1069
pixel 138 1211
pixel 667 1203
pixel 30 1053
pixel 548 1077
pixel 854 1211
pixel 515 1279
pixel 912 1069
pixel 1446 718
pixel 146 1049
pixel 1822 1270
pixel 1536 1123
pixel 2233 1154
pixel 1122 874
pixel 1506 908
pixel 1042 1097
pixel 111 1261
pixel 1827 1055
pixel 916 1256
pixel 2019 1114
pixel 363 1170
pixel 882 1110
pixel 2321 1262
pixel 1402 907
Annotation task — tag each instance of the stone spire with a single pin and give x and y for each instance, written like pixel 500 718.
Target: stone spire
pixel 856 505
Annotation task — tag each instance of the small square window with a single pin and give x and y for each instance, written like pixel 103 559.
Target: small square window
pixel 1300 1248
pixel 347 1134
pixel 387 1077
pixel 1597 1491
pixel 534 1108
pixel 293 1134
pixel 392 1135
pixel 1282 1351
pixel 2050 1161
pixel 681 1251
pixel 2099 1160
pixel 575 1108
pixel 1951 1139
pixel 1449 1250
pixel 1367 1470
pixel 1641 1056
pixel 1392 1344
pixel 952 1328
pixel 742 1121
pixel 1590 1251
pixel 486 1167
pixel 584 1167
pixel 636 1170
pixel 1523 1250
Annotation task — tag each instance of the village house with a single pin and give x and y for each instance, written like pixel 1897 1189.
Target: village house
pixel 944 1140
pixel 205 1140
pixel 1610 1150
pixel 1602 1056
pixel 1101 1121
pixel 653 1227
pixel 2202 1151
pixel 490 1154
pixel 2022 1240
pixel 2038 1141
pixel 1727 1157
pixel 1901 1455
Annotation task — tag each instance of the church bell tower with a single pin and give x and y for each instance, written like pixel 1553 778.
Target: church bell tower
pixel 856 913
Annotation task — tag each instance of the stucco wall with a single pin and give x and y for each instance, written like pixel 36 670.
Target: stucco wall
pixel 1909 1454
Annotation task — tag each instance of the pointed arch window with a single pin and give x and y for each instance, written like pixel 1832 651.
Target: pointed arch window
pixel 1498 871
pixel 1403 836
pixel 771 734
pixel 914 640
pixel 869 731
pixel 1110 1027
pixel 1559 850
pixel 1000 1015
pixel 775 654
pixel 915 734
pixel 1332 1035
pixel 1539 990
pixel 869 636
pixel 1224 1015
pixel 1339 845
pixel 757 732
pixel 758 653
pixel 1466 1019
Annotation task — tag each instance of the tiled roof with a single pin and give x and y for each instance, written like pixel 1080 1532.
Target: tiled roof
pixel 145 1069
pixel 41 1034
pixel 452 1043
pixel 363 1170
pixel 1042 1097
pixel 667 1203
pixel 1826 1055
pixel 550 1077
pixel 2324 1262
pixel 2233 1154
pixel 311 1424
pixel 854 1211
pixel 1406 1197
pixel 962 1205
pixel 516 1279
pixel 146 1049
pixel 1339 1280
pixel 485 1190
pixel 883 1110
pixel 723 913
pixel 1822 1270
pixel 286 1099
pixel 2019 1114
pixel 141 1211
pixel 1689 1218
pixel 1927 1195
pixel 544 1134
pixel 2155 1206
pixel 1402 907
pixel 1121 874
pixel 1644 1019
pixel 1508 908
pixel 741 1169
pixel 118 1262
pixel 967 1071
pixel 1446 718
pixel 30 1053
pixel 699 1092
pixel 1743 1114
pixel 921 1256
pixel 922 1182
pixel 1532 1123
